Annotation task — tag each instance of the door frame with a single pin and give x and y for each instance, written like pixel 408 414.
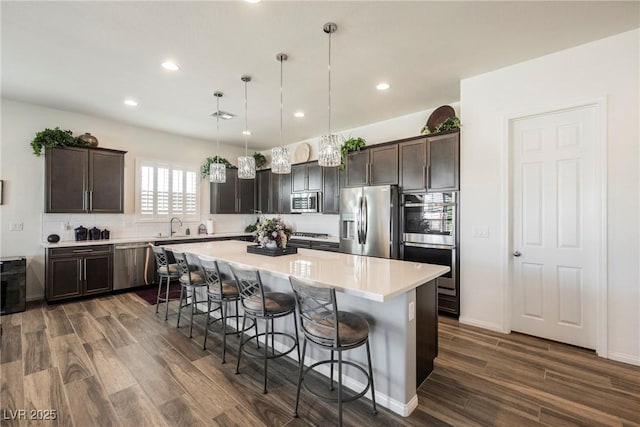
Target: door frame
pixel 601 237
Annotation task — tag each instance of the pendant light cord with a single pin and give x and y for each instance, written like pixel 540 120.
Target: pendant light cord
pixel 281 61
pixel 329 69
pixel 246 125
pixel 218 129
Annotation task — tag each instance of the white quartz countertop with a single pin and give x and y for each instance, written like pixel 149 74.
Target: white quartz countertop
pixel 142 239
pixel 376 279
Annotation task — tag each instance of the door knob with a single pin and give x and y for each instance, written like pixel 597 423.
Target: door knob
pixel 516 254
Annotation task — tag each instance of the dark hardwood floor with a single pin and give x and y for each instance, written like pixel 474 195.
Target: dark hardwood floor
pixel 113 361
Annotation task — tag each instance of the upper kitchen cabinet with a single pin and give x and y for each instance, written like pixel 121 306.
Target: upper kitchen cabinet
pixel 273 192
pixel 84 180
pixel 372 166
pixel 331 184
pixel 234 196
pixel 430 163
pixel 306 177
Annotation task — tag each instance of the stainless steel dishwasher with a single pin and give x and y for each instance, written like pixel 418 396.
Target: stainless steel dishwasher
pixel 130 265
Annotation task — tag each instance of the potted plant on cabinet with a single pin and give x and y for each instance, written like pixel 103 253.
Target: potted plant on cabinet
pixel 351 144
pixel 204 168
pixel 57 137
pixel 260 159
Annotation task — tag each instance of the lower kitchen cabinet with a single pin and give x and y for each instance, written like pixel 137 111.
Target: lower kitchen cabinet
pixel 79 271
pixel 314 244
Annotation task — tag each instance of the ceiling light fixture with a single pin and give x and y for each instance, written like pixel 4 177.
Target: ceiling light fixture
pixel 280 157
pixel 299 114
pixel 246 163
pixel 383 86
pixel 131 102
pixel 329 155
pixel 170 65
pixel 217 170
pixel 246 132
pixel 252 1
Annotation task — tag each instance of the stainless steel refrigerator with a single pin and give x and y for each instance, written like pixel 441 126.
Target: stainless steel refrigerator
pixel 369 221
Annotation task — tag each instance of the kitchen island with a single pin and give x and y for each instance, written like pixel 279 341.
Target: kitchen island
pixel 397 298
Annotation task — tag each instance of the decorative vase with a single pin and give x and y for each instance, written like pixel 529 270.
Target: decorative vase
pixel 89 139
pixel 271 244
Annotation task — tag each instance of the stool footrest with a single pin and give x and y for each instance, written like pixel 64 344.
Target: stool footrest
pixel 335 399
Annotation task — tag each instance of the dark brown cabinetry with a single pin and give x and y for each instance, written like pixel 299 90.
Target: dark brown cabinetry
pixel 306 177
pixel 430 163
pixel 331 190
pixel 234 196
pixel 80 271
pixel 372 166
pixel 273 192
pixel 314 244
pixel 84 180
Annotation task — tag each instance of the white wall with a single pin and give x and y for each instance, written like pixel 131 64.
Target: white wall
pixel 23 175
pixel 605 68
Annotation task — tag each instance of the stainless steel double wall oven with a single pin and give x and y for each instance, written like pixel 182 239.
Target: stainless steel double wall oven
pixel 429 223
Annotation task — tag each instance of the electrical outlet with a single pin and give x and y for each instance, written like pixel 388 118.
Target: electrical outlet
pixel 15 226
pixel 412 311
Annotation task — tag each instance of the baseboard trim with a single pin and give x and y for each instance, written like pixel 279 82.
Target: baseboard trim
pixel 481 324
pixel 625 358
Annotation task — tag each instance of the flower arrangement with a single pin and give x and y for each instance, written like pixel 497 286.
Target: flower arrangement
pixel 273 230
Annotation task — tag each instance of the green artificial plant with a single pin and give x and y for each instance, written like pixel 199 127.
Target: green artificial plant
pixel 351 144
pixel 450 124
pixel 260 159
pixel 204 168
pixel 49 138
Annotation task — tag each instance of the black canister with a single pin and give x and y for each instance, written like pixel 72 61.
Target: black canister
pixel 94 233
pixel 81 233
pixel 105 234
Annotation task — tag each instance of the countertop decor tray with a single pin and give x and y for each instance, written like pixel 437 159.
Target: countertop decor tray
pixel 257 249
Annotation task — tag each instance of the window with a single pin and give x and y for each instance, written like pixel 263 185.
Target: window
pixel 165 190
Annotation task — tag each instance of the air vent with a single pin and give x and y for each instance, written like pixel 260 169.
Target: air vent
pixel 223 115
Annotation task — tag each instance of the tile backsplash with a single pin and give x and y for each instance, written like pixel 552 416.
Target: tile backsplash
pixel 128 225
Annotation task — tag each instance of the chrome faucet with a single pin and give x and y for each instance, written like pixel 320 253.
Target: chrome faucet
pixel 171 225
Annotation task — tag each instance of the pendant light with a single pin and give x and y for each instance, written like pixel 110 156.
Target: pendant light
pixel 218 171
pixel 329 155
pixel 280 157
pixel 246 163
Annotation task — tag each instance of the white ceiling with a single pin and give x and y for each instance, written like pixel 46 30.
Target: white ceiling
pixel 89 56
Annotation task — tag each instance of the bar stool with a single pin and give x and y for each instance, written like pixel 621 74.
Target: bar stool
pixel 220 292
pixel 166 272
pixel 318 311
pixel 191 280
pixel 258 304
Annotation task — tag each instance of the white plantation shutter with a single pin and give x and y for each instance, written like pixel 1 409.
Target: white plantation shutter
pixel 164 191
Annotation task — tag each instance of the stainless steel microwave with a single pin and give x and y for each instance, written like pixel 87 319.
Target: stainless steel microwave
pixel 305 202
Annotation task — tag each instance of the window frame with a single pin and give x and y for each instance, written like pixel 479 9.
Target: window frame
pixel 171 167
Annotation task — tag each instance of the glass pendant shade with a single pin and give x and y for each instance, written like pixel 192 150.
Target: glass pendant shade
pixel 280 160
pixel 329 155
pixel 246 167
pixel 217 173
pixel 246 163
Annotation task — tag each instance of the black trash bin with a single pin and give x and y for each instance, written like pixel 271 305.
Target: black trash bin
pixel 13 283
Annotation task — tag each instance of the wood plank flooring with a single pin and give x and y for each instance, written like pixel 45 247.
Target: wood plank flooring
pixel 111 361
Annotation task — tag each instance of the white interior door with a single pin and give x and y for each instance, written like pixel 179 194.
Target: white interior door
pixel 554 226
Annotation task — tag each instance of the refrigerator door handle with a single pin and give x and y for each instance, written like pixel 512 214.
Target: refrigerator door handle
pixel 359 220
pixel 365 220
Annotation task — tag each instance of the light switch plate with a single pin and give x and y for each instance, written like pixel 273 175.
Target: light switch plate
pixel 412 310
pixel 16 226
pixel 480 232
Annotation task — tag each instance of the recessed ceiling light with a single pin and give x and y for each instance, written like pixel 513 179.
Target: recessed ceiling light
pixel 169 65
pixel 131 102
pixel 246 132
pixel 252 1
pixel 299 114
pixel 382 86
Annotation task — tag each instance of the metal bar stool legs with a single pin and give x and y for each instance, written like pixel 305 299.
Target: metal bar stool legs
pixel 326 327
